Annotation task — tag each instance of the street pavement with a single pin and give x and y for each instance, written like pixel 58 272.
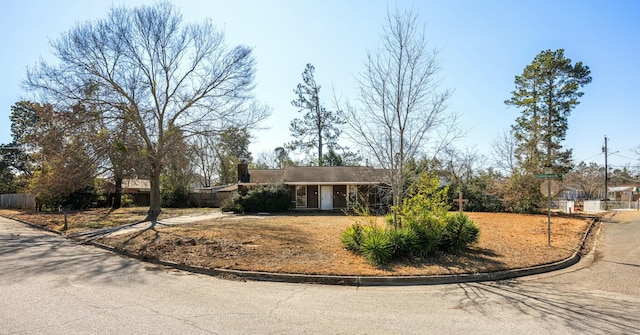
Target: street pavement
pixel 52 285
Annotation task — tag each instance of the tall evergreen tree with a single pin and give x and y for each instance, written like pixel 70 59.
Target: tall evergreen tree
pixel 546 92
pixel 320 126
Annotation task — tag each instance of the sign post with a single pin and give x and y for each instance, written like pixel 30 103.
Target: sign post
pixel 549 175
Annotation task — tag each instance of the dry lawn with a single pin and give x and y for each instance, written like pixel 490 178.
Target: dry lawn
pixel 310 243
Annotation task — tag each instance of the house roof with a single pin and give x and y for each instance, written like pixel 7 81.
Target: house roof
pixel 229 188
pixel 623 188
pixel 141 184
pixel 129 185
pixel 266 176
pixel 293 175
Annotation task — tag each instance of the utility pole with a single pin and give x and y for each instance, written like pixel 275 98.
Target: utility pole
pixel 606 170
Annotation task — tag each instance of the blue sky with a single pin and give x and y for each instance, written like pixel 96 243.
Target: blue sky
pixel 483 46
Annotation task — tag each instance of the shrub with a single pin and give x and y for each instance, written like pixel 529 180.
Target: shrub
pixel 262 199
pixel 376 246
pixel 459 233
pixel 404 241
pixel 175 198
pixel 425 227
pixel 126 200
pixel 428 232
pixel 82 198
pixel 352 237
pixel 232 204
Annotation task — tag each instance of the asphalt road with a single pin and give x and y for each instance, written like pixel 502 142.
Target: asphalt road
pixel 50 285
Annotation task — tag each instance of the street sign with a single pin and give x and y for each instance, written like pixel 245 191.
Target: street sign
pixel 549 175
pixel 550 189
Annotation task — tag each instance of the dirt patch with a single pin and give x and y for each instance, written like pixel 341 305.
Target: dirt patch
pixel 84 221
pixel 310 243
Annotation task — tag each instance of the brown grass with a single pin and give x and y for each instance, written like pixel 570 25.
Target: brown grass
pixel 310 243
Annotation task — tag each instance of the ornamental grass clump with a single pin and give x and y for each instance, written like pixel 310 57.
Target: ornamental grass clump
pixel 352 237
pixel 459 233
pixel 376 246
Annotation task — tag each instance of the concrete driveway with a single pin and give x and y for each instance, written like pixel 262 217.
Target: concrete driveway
pixel 51 285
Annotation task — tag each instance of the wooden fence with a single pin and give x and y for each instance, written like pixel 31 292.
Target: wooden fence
pixel 212 200
pixel 18 201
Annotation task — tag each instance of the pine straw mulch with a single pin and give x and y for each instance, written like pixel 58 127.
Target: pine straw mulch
pixel 310 243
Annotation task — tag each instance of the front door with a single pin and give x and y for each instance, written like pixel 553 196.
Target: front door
pixel 326 197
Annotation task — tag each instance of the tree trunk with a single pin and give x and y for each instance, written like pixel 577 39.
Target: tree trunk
pixel 155 199
pixel 117 197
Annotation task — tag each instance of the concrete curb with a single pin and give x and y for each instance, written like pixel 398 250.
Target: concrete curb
pixel 352 280
pixel 33 225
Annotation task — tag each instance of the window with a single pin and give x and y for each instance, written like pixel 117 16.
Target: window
pixel 353 195
pixel 301 196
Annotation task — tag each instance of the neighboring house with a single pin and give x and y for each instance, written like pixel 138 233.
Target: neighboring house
pixel 324 188
pixel 571 192
pixel 138 189
pixel 213 196
pixel 623 193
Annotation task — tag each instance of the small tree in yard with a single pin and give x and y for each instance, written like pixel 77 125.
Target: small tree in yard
pixel 60 166
pixel 402 112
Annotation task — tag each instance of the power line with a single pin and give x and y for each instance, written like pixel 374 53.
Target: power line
pixel 588 159
pixel 627 179
pixel 619 155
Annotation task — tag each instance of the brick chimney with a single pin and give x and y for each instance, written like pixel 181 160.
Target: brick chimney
pixel 243 172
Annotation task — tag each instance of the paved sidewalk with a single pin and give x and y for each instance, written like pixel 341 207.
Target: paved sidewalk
pixel 138 226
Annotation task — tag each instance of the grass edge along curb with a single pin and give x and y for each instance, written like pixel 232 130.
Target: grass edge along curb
pixel 369 280
pixel 349 280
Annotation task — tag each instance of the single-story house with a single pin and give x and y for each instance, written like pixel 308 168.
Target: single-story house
pixel 323 188
pixel 568 192
pixel 213 196
pixel 138 189
pixel 623 193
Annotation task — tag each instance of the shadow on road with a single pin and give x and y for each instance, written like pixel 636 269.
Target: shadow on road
pixel 586 312
pixel 25 254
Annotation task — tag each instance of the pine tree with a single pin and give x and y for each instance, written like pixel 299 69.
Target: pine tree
pixel 319 127
pixel 546 92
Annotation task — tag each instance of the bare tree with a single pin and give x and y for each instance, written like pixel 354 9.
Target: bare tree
pixel 206 163
pixel 210 160
pixel 265 159
pixel 168 79
pixel 402 113
pixel 588 177
pixel 503 149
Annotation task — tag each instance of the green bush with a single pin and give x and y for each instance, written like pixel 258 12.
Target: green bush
pixel 376 246
pixel 352 237
pixel 459 233
pixel 404 241
pixel 262 199
pixel 82 198
pixel 126 200
pixel 424 227
pixel 175 198
pixel 428 232
pixel 232 204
